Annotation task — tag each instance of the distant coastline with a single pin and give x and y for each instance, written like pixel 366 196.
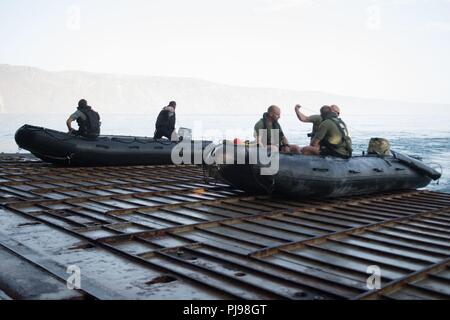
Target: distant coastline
pixel 32 90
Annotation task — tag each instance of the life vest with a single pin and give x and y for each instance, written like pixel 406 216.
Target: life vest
pixel 346 141
pixel 275 125
pixel 89 127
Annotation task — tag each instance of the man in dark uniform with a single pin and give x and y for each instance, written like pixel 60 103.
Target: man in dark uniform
pixel 165 123
pixel 88 121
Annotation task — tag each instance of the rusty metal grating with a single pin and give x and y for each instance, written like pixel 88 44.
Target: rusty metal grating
pixel 165 232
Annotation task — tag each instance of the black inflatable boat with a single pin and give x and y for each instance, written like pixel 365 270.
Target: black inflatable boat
pixel 301 176
pixel 66 149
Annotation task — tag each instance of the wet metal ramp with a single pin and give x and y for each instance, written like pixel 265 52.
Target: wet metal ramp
pixel 163 232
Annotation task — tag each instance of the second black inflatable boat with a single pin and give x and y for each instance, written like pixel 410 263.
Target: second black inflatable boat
pixel 66 149
pixel 300 176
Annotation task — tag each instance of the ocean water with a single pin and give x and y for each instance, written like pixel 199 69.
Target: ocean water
pixel 426 136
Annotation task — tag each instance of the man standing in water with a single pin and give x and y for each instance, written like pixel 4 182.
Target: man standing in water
pixel 263 131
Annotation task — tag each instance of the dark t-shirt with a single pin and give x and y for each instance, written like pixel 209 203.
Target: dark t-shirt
pixel 166 120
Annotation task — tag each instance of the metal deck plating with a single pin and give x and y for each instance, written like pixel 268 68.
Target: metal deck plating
pixel 162 232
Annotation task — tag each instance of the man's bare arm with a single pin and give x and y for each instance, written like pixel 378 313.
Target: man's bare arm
pixel 69 124
pixel 300 115
pixel 313 148
pixel 315 143
pixel 260 141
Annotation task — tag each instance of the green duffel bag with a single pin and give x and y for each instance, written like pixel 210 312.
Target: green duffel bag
pixel 379 146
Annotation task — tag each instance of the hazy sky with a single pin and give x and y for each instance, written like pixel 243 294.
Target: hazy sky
pixel 394 49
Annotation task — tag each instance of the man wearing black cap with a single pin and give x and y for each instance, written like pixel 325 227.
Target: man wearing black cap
pixel 88 121
pixel 165 123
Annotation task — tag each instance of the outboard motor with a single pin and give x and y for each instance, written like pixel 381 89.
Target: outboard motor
pixel 185 134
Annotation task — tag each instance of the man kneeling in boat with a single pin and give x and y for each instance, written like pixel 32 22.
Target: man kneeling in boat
pixel 331 138
pixel 88 121
pixel 263 132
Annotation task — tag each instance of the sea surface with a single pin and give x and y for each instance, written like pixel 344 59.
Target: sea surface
pixel 425 136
